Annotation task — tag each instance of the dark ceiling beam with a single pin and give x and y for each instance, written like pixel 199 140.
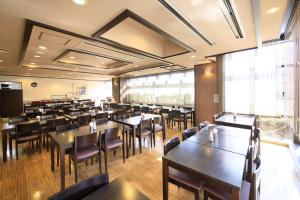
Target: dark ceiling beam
pixel 287 18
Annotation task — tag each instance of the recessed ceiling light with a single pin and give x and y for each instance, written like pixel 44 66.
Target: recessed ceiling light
pixel 193 56
pixel 27 73
pixel 273 10
pixel 80 2
pixel 42 47
pixel 39 52
pixel 30 69
pixel 32 63
pixel 37 56
pixel 1 61
pixel 71 57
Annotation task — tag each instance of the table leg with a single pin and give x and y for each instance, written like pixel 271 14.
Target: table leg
pixel 235 194
pixel 165 179
pixel 100 149
pixel 4 145
pixel 185 122
pixel 194 118
pixel 62 168
pixel 52 146
pixel 133 140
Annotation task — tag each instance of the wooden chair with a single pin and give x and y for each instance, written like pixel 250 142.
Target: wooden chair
pixel 166 114
pixel 82 189
pixel 11 136
pixel 177 117
pixel 249 191
pixel 51 125
pixel 101 116
pixel 144 130
pixel 188 133
pixel 137 113
pixel 182 179
pixel 84 148
pixel 110 141
pixel 28 132
pixel 159 126
pixel 83 119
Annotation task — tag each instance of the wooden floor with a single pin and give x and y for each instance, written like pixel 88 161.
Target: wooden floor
pixel 31 178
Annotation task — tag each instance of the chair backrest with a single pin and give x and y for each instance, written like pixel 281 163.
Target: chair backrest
pixel 203 124
pixel 101 115
pixel 145 109
pixel 146 124
pixel 188 133
pixel 67 127
pixel 110 134
pixel 101 121
pixel 18 119
pixel 164 111
pixel 176 113
pixel 82 189
pixel 85 141
pixel 157 120
pixel 83 119
pixel 27 128
pixel 75 113
pixel 255 181
pixel 137 113
pixel 136 108
pixel 53 123
pixel 46 117
pixel 187 108
pixel 169 145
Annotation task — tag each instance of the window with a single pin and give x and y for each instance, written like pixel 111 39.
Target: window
pixel 175 88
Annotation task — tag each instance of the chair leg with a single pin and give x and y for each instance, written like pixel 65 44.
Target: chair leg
pixel 154 138
pixel 205 195
pixel 57 157
pixel 197 196
pixel 10 145
pixel 151 141
pixel 70 168
pixel 140 143
pixel 100 162
pixel 47 141
pixel 17 150
pixel 105 160
pixel 40 143
pixel 123 149
pixel 76 171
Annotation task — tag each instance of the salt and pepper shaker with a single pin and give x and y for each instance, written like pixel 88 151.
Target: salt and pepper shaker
pixel 234 116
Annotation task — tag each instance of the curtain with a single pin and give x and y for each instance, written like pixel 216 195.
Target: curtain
pixel 175 88
pixel 255 80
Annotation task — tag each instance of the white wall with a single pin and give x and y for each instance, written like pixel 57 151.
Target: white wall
pixel 47 87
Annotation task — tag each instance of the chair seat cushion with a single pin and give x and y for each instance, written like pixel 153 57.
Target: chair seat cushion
pixel 185 179
pixel 226 194
pixel 113 144
pixel 85 153
pixel 25 138
pixel 145 132
pixel 158 127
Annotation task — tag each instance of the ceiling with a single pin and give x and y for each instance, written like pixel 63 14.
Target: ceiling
pixel 100 40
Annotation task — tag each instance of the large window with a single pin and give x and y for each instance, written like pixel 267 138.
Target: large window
pixel 167 89
pixel 256 81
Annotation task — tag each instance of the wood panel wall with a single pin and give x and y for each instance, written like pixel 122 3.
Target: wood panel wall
pixel 208 82
pixel 116 89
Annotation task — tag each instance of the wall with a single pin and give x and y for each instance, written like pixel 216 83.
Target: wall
pixel 207 85
pixel 47 87
pixel 116 89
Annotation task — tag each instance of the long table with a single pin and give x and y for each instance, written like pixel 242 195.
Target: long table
pixel 220 162
pixel 65 141
pixel 241 120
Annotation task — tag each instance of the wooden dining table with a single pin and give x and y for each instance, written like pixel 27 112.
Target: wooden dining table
pixel 220 162
pixel 65 141
pixel 240 121
pixel 116 190
pixel 8 128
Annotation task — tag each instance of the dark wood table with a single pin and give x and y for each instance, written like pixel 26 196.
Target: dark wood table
pixel 241 121
pixel 8 128
pixel 118 189
pixel 65 141
pixel 184 112
pixel 230 139
pixel 73 118
pixel 133 122
pixel 213 165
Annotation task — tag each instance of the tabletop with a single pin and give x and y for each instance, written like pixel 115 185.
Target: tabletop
pixel 224 139
pixel 242 120
pixel 134 121
pixel 116 190
pixel 66 139
pixel 215 164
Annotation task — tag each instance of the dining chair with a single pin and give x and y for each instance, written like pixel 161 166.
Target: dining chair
pixel 252 159
pixel 167 115
pixel 188 133
pixel 145 109
pixel 101 121
pixel 110 141
pixel 84 148
pixel 181 179
pixel 249 190
pixel 177 117
pixel 101 116
pixel 158 126
pixel 11 135
pixel 144 130
pixel 203 124
pixel 136 113
pixel 83 119
pixel 51 125
pixel 28 132
pixel 82 189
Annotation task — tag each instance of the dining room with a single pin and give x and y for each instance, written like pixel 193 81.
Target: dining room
pixel 160 99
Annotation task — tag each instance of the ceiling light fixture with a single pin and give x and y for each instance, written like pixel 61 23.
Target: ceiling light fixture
pixel 1 61
pixel 32 63
pixel 37 56
pixel 39 52
pixel 27 73
pixel 29 69
pixel 193 56
pixel 71 57
pixel 273 10
pixel 42 47
pixel 80 2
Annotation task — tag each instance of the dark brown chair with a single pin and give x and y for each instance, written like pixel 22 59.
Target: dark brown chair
pixel 182 179
pixel 84 148
pixel 144 130
pixel 101 121
pixel 177 117
pixel 28 132
pixel 11 136
pixel 252 158
pixel 249 191
pixel 51 125
pixel 188 133
pixel 82 189
pixel 101 115
pixel 137 113
pixel 166 114
pixel 145 109
pixel 83 119
pixel 110 141
pixel 159 126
